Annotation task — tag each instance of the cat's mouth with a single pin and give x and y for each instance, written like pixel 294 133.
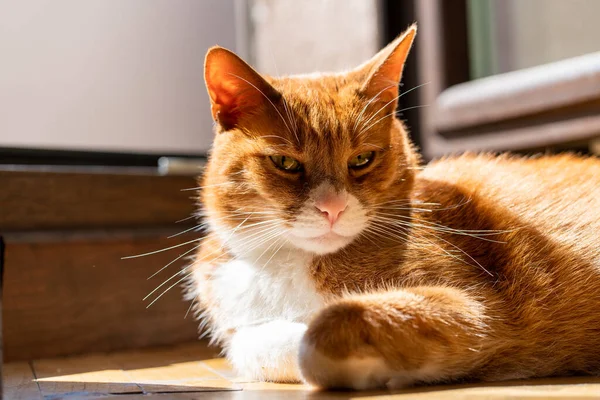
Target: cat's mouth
pixel 316 231
pixel 322 244
pixel 331 235
pixel 328 235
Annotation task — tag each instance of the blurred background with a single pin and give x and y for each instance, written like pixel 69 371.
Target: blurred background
pixel 104 124
pixel 120 82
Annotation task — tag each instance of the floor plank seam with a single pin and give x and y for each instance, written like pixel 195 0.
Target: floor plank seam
pixel 142 391
pixel 35 378
pixel 208 367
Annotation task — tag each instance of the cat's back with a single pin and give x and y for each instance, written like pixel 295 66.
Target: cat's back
pixel 559 172
pixel 558 195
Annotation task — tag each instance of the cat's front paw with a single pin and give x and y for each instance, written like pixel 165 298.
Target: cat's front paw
pixel 337 352
pixel 268 352
pixel 393 339
pixel 358 372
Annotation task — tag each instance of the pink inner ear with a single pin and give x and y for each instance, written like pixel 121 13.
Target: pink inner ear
pixel 224 96
pixel 235 89
pixel 232 99
pixel 221 90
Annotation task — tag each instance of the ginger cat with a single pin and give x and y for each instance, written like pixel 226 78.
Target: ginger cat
pixel 333 258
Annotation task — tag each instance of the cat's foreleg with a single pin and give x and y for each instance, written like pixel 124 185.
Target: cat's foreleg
pixel 267 352
pixel 393 339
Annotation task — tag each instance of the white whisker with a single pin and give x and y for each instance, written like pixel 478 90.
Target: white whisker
pixel 358 119
pixel 185 219
pixel 389 115
pixel 175 260
pixel 169 288
pixel 160 251
pixel 387 104
pixel 190 307
pixel 196 228
pixel 269 100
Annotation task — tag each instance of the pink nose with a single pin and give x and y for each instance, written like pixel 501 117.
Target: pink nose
pixel 331 206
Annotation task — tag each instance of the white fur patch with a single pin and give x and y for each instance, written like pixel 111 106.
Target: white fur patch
pixel 266 299
pixel 268 351
pixel 252 293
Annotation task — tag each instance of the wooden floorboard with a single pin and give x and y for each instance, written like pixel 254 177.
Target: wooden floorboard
pixel 18 382
pixel 96 374
pixel 192 371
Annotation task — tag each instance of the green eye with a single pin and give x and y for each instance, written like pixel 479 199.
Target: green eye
pixel 361 160
pixel 286 163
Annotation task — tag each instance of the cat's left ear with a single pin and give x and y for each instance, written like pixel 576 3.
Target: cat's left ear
pixel 384 71
pixel 237 92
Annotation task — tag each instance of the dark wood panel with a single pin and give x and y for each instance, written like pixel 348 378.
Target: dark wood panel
pixel 1 330
pixel 396 16
pixel 41 200
pixel 564 133
pixel 455 43
pixel 76 296
pixel 33 156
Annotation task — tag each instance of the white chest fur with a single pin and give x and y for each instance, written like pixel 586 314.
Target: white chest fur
pixel 256 290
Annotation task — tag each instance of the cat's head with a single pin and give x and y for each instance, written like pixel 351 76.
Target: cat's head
pixel 305 161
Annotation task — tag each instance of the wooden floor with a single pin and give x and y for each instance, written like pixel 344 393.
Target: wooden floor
pixel 195 372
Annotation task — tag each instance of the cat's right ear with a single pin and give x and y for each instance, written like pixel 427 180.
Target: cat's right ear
pixel 385 69
pixel 236 90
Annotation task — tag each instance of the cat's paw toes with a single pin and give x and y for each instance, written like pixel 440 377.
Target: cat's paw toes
pixel 358 373
pixel 336 351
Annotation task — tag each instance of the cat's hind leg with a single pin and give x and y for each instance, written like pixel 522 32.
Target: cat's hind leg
pixel 393 339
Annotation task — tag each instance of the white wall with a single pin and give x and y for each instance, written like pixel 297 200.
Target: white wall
pixel 301 36
pixel 108 75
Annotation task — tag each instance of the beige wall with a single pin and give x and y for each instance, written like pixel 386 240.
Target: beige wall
pixel 301 36
pixel 110 75
pixel 551 30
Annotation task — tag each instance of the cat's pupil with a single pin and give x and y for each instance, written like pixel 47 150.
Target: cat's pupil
pixel 361 160
pixel 286 163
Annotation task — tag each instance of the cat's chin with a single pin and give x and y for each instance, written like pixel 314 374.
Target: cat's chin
pixel 323 244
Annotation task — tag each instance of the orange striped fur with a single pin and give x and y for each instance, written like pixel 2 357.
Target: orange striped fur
pixel 476 267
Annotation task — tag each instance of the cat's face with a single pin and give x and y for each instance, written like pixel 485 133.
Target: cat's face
pixel 304 161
